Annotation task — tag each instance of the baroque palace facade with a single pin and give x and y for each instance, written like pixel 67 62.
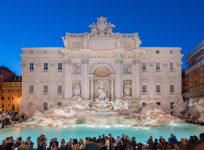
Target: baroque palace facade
pixel 101 65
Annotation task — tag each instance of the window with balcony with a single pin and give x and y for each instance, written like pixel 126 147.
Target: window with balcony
pixel 45 88
pixel 144 88
pixel 45 106
pixel 31 88
pixel 158 88
pixel 18 84
pixel 45 66
pixel 171 88
pixel 59 90
pixel 157 66
pixel 144 67
pixel 2 105
pixel 60 66
pixel 171 66
pixel 31 66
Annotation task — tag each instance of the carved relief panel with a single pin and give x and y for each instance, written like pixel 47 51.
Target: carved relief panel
pixel 76 68
pixel 127 68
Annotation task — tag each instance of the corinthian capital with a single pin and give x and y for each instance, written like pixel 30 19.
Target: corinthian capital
pixel 137 61
pixel 119 61
pixel 85 61
pixel 68 61
pixel 23 64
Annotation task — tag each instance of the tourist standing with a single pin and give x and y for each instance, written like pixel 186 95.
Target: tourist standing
pixel 62 145
pixel 69 144
pixel 172 139
pixel 150 142
pixel 23 146
pixel 118 140
pixel 107 143
pixel 75 145
pixel 39 139
pixel 81 144
pixel 103 147
pixel 133 142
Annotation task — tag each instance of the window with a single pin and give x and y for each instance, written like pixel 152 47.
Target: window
pixel 59 51
pixel 144 104
pixel 59 103
pixel 195 82
pixel 8 84
pixel 171 51
pixel 18 84
pixel 8 91
pixel 157 51
pixel 31 51
pixel 45 51
pixel 45 89
pixel 8 98
pixel 171 88
pixel 2 98
pixel 31 66
pixel 59 66
pixel 12 84
pixel 59 89
pixel 158 103
pixel 2 106
pixel 157 88
pixel 12 91
pixel 45 66
pixel 17 90
pixel 45 106
pixel 31 88
pixel 157 66
pixel 144 88
pixel 2 91
pixel 12 98
pixel 171 66
pixel 143 66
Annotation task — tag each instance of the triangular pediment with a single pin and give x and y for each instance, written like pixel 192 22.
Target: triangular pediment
pixel 158 81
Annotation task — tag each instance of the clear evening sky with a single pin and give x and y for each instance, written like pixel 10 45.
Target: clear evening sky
pixel 42 23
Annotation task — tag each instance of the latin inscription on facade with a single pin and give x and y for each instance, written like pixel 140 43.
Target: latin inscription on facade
pixel 102 44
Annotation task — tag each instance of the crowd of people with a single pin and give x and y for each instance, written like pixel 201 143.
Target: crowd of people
pixel 105 143
pixel 194 121
pixel 10 117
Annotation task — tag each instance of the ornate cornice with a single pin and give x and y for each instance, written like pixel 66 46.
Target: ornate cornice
pixel 67 61
pixel 23 64
pixel 137 61
pixel 119 61
pixel 85 61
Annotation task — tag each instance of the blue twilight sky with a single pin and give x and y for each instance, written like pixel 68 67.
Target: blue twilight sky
pixel 42 23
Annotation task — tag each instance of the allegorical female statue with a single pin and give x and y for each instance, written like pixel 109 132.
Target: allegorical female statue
pixel 77 89
pixel 127 89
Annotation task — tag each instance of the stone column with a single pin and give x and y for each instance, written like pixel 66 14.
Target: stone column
pixel 137 77
pixel 179 78
pixel 92 88
pixel 118 78
pixel 85 62
pixel 67 74
pixel 112 89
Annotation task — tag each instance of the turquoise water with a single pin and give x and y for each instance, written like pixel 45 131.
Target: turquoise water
pixel 81 131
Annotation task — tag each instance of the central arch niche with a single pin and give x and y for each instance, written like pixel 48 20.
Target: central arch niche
pixel 102 71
